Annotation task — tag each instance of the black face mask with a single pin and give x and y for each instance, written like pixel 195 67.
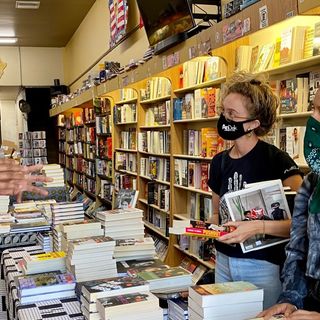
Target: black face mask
pixel 231 130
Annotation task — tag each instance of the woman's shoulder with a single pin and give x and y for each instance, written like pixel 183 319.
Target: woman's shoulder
pixel 271 149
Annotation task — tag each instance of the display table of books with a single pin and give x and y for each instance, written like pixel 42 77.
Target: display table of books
pixel 67 308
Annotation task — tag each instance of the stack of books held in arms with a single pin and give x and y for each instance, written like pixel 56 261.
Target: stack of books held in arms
pixel 45 286
pixel 43 262
pixel 140 306
pixel 91 258
pixel 64 212
pixel 229 300
pixel 78 230
pixel 90 291
pixel 131 249
pixel 122 223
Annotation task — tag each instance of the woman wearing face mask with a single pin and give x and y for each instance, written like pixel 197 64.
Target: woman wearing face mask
pixel 301 272
pixel 249 112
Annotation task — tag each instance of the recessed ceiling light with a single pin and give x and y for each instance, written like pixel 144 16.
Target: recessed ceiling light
pixel 7 40
pixel 27 4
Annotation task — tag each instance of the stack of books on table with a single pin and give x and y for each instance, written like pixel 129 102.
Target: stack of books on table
pixel 45 240
pixel 91 258
pixel 169 279
pixel 229 300
pixel 30 227
pixel 28 215
pixel 122 223
pixel 178 309
pixel 57 237
pixel 4 204
pixel 131 249
pixel 55 172
pixel 139 306
pixel 64 212
pixel 90 291
pixel 78 230
pixel 5 220
pixel 45 286
pixel 43 205
pixel 132 267
pixel 43 262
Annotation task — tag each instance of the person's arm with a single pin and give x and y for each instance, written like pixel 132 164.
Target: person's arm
pixel 215 209
pixel 294 182
pixel 14 178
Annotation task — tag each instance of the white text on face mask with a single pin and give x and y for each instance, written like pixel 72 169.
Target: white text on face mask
pixel 229 128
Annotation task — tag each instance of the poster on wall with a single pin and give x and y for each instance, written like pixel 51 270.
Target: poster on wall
pixel 118 20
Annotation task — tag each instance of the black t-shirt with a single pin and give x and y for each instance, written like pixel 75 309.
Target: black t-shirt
pixel 263 162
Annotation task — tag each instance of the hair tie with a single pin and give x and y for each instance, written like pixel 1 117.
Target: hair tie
pixel 255 82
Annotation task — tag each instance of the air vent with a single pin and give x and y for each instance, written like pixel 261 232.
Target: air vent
pixel 27 4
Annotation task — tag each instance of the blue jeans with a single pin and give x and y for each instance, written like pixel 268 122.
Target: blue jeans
pixel 263 274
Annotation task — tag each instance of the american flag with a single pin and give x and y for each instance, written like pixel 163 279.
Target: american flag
pixel 118 19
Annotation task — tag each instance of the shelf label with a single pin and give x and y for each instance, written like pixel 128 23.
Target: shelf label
pixel 263 17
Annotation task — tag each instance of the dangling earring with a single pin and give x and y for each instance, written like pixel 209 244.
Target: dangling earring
pixel 249 134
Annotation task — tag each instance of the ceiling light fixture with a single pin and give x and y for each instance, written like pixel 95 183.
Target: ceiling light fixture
pixel 7 40
pixel 27 4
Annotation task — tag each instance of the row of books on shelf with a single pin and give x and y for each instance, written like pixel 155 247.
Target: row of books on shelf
pixel 291 45
pixel 201 70
pixel 154 141
pixel 126 161
pixel 158 195
pixel 128 139
pixel 125 113
pixel 190 173
pixel 202 104
pixel 156 87
pixel 158 114
pixel 155 168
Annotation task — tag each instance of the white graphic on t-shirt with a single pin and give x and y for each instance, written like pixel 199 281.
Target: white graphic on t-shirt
pixel 234 183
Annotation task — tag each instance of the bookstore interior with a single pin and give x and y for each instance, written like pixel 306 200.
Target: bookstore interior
pixel 127 222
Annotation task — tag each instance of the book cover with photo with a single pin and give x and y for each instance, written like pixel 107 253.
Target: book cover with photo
pixel 261 201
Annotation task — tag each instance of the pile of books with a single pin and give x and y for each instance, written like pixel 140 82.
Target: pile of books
pixel 178 309
pixel 45 286
pixel 64 212
pixel 140 306
pixel 55 172
pixel 28 215
pixel 130 249
pixel 169 279
pixel 79 230
pixel 43 262
pixel 4 204
pixel 45 240
pixel 122 223
pixel 91 258
pixel 91 291
pixel 229 300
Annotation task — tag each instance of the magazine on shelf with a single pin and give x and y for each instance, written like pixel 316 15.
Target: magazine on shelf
pixel 126 198
pixel 259 201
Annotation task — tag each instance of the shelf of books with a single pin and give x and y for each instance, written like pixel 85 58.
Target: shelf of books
pixel 125 118
pixel 154 154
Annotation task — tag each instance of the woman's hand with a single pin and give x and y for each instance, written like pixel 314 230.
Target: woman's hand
pixel 244 230
pixel 281 308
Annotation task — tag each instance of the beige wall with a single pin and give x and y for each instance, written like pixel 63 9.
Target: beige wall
pixel 91 41
pixel 27 66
